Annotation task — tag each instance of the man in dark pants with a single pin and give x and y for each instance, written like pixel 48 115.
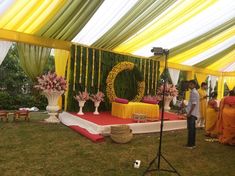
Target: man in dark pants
pixel 192 114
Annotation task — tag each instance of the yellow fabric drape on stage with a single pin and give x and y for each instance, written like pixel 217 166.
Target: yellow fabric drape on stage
pixel 230 81
pixel 127 110
pixel 182 12
pixel 201 78
pixel 61 59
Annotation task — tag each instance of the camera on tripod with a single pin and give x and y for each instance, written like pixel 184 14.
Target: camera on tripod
pixel 159 51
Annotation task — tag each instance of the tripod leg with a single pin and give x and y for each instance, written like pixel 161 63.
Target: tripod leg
pixel 150 164
pixel 170 165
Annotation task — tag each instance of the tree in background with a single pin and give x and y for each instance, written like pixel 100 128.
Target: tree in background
pixel 16 89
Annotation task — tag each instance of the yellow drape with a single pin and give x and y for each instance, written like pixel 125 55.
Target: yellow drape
pixel 221 87
pixel 127 110
pixel 203 46
pixel 200 78
pixel 61 59
pixel 220 64
pixel 190 76
pixel 230 81
pixel 182 12
pixel 30 16
pixel 161 69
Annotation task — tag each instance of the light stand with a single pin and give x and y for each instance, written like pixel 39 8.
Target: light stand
pixel 157 158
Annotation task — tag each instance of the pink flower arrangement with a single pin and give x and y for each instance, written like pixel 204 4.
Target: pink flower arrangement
pixel 51 82
pixel 97 97
pixel 82 96
pixel 169 91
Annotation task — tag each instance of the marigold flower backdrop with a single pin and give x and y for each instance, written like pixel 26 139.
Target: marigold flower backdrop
pixel 89 69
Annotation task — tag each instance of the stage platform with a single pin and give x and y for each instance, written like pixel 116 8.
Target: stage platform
pixel 100 124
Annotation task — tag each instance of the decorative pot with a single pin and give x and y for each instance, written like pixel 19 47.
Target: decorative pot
pixel 167 101
pixel 81 105
pixel 52 107
pixel 97 104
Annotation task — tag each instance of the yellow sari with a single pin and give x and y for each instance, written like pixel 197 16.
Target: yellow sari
pixel 226 121
pixel 203 104
pixel 211 118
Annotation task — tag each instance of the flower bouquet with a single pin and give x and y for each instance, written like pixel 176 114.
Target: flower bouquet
pixel 52 86
pixel 169 94
pixel 51 82
pixel 82 97
pixel 97 98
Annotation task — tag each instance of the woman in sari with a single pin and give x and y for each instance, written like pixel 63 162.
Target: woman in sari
pixel 226 121
pixel 203 104
pixel 212 116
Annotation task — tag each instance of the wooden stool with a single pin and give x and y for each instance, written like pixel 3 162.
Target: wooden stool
pixel 4 114
pixel 18 114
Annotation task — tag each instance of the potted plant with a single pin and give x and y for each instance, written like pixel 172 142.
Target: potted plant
pixel 82 97
pixel 52 86
pixel 97 98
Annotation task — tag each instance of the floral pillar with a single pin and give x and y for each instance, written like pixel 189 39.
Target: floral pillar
pixel 52 107
pixel 52 86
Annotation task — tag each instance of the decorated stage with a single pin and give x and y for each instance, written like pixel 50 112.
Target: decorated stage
pixel 96 126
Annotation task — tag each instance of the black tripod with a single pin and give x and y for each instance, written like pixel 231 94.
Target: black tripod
pixel 157 158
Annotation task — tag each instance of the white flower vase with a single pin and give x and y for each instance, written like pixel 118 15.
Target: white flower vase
pixel 167 101
pixel 52 107
pixel 81 105
pixel 97 104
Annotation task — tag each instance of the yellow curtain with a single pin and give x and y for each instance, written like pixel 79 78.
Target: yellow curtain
pixel 221 87
pixel 161 69
pixel 230 81
pixel 203 46
pixel 200 78
pixel 190 76
pixel 61 59
pixel 182 12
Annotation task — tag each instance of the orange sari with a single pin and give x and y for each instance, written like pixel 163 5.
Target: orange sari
pixel 226 121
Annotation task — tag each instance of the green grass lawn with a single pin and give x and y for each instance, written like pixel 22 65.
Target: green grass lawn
pixel 35 148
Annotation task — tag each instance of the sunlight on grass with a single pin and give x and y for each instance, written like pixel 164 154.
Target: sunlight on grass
pixel 36 148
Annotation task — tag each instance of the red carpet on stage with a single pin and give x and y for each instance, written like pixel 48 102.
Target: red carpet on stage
pixel 84 132
pixel 105 118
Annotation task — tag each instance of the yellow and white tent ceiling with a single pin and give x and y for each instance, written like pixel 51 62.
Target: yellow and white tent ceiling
pixel 198 32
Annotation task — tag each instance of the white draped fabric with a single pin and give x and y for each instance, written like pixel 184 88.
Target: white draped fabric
pixel 213 82
pixel 4 48
pixel 174 74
